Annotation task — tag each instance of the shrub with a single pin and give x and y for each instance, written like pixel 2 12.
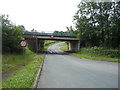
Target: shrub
pixel 11 36
pixel 100 51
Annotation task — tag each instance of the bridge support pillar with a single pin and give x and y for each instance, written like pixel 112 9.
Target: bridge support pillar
pixel 33 43
pixel 74 45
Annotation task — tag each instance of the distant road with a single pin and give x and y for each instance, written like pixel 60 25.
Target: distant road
pixel 65 71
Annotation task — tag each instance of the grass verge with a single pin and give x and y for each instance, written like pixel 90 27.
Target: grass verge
pixel 85 53
pixel 64 46
pixel 11 61
pixel 94 57
pixel 24 78
pixel 49 43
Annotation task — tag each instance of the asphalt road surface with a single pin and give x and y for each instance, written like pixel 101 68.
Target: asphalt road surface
pixel 65 71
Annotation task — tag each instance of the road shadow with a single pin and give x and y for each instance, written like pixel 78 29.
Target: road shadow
pixel 56 53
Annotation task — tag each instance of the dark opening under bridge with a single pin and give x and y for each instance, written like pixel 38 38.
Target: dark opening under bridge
pixel 34 39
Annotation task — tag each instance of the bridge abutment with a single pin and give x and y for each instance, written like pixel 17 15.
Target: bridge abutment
pixel 74 45
pixel 32 42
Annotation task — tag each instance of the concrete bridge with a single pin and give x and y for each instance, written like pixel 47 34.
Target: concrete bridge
pixel 34 40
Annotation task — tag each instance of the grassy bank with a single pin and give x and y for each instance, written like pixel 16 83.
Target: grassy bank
pixel 24 78
pixel 49 43
pixel 64 46
pixel 92 57
pixel 11 61
pixel 99 53
pixel 19 70
pixel 96 53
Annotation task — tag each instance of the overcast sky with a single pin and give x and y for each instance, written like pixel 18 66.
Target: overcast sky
pixel 42 15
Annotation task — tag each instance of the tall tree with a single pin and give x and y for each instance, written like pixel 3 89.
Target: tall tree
pixel 97 23
pixel 11 36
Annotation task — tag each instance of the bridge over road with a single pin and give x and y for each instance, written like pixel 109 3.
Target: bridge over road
pixel 34 40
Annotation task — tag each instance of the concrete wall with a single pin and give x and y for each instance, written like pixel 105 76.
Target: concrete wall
pixel 74 45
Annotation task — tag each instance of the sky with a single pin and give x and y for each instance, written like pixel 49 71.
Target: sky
pixel 41 15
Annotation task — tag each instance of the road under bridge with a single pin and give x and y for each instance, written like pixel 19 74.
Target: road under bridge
pixel 34 40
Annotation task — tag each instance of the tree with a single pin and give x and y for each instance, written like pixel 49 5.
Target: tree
pixel 11 36
pixel 98 23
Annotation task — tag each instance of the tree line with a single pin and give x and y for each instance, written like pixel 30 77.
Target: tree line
pixel 11 36
pixel 64 33
pixel 98 24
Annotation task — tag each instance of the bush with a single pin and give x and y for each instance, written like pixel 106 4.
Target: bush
pixel 100 51
pixel 11 36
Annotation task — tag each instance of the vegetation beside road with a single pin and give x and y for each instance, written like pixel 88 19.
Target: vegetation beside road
pixel 97 53
pixel 25 75
pixel 48 43
pixel 18 69
pixel 64 46
pixel 97 25
pixel 11 36
pixel 11 61
pixel 24 78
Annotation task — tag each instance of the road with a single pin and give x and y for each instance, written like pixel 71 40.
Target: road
pixel 66 71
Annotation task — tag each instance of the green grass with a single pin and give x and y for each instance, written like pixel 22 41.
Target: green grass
pixel 64 46
pixel 94 53
pixel 24 78
pixel 94 57
pixel 11 61
pixel 49 43
pixel 99 53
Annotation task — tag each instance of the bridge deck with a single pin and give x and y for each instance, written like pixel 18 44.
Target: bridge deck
pixel 51 37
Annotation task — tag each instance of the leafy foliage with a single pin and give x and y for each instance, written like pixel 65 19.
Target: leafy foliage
pixel 98 23
pixel 61 33
pixel 11 36
pixel 100 51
